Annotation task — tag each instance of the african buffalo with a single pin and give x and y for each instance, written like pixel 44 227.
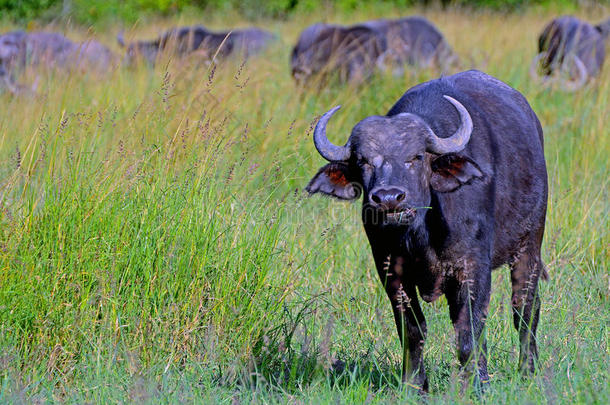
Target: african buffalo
pixel 183 41
pixel 19 49
pixel 351 53
pixel 354 52
pixel 454 184
pixel 414 41
pixel 571 47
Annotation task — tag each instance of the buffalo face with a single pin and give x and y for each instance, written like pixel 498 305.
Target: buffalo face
pixel 350 53
pixel 12 46
pixel 395 162
pixel 146 51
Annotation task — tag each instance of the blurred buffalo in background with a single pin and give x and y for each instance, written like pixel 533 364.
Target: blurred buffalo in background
pixel 351 53
pixel 19 49
pixel 414 41
pixel 183 41
pixel 571 51
pixel 354 52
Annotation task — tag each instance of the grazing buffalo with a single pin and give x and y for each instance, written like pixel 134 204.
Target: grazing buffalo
pixel 183 41
pixel 19 49
pixel 414 41
pixel 354 52
pixel 569 47
pixel 351 53
pixel 454 184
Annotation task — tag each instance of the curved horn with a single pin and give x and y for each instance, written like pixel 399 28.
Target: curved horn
pixel 460 137
pixel 330 152
pixel 573 85
pixel 534 69
pixel 120 39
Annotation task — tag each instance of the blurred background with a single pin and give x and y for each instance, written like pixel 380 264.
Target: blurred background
pixel 101 11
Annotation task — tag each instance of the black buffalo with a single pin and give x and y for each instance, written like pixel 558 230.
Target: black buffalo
pixel 414 41
pixel 350 53
pixel 355 52
pixel 454 184
pixel 569 47
pixel 19 49
pixel 207 44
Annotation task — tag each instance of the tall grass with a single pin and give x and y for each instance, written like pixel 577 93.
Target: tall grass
pixel 156 245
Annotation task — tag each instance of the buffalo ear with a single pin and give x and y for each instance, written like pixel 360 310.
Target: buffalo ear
pixel 450 172
pixel 335 180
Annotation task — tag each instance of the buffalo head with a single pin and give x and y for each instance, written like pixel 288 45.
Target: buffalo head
pixel 604 29
pixel 395 162
pixel 352 53
pixel 12 46
pixel 146 50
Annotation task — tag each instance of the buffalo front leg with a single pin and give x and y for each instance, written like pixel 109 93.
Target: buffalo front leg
pixel 525 272
pixel 468 301
pixel 409 318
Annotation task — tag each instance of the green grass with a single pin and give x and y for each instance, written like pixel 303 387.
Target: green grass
pixel 156 245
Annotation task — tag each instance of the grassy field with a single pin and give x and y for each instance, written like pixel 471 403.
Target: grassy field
pixel 156 244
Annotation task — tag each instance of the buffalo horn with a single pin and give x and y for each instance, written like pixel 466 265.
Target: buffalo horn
pixel 573 85
pixel 534 69
pixel 329 151
pixel 458 140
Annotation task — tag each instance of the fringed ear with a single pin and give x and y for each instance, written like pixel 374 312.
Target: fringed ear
pixel 335 180
pixel 450 172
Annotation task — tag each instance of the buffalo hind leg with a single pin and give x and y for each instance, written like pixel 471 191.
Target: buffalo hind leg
pixel 409 318
pixel 468 302
pixel 525 273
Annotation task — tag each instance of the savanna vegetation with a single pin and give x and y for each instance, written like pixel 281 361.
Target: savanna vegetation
pixel 156 244
pixel 105 11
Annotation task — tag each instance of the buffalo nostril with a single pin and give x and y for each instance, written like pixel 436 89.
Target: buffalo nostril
pixel 400 197
pixel 376 199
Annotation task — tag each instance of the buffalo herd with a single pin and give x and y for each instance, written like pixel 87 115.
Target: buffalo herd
pixel 571 51
pixel 453 178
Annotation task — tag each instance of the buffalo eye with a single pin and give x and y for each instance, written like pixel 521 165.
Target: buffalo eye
pixel 409 163
pixel 364 164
